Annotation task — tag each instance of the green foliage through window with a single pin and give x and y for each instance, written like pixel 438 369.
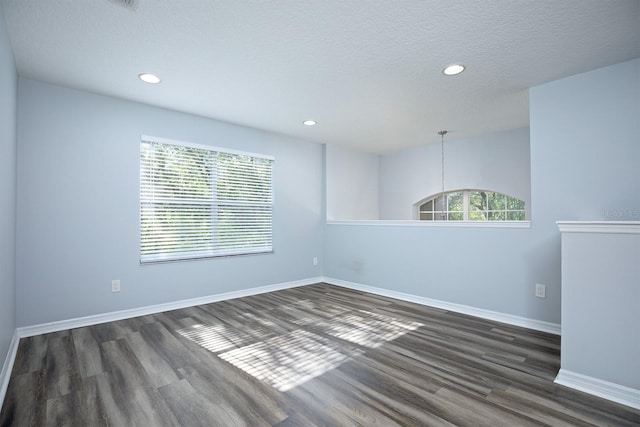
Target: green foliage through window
pixel 197 202
pixel 472 205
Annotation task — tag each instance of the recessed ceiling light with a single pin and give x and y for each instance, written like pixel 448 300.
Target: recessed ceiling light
pixel 453 69
pixel 149 78
pixel 309 122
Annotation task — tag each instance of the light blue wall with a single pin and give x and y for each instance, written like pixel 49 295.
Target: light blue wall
pixel 352 184
pixel 585 146
pixel 601 305
pixel 78 207
pixel 8 106
pixel 585 155
pixel 478 267
pixel 585 152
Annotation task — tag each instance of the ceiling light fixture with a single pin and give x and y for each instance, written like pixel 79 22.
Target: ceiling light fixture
pixel 309 122
pixel 442 133
pixel 149 78
pixel 453 69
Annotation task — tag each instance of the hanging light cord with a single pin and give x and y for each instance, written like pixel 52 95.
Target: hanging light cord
pixel 442 133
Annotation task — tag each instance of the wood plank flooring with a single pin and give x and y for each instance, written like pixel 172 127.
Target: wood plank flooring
pixel 316 355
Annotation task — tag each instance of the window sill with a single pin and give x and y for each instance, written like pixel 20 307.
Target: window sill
pixel 451 224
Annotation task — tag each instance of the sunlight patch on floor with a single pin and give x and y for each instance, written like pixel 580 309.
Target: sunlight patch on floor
pixel 289 360
pixel 215 338
pixel 367 329
pixel 307 312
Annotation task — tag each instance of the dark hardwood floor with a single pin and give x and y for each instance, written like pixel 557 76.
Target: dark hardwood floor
pixel 316 355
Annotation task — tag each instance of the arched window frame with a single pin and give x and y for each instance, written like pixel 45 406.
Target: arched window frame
pixel 471 205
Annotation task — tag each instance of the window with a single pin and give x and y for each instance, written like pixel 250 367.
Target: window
pixel 471 205
pixel 446 207
pixel 199 201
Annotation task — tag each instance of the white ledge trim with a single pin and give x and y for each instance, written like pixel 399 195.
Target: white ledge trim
pixel 605 389
pixel 417 223
pixel 607 227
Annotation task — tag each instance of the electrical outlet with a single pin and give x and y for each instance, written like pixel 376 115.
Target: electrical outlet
pixel 541 290
pixel 115 286
pixel 315 260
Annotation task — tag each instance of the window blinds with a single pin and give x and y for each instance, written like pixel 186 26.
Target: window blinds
pixel 200 202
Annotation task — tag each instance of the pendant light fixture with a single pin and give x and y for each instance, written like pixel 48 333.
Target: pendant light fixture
pixel 442 133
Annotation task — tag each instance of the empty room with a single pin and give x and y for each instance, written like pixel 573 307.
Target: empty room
pixel 319 213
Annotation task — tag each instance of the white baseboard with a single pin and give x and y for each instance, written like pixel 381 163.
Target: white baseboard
pixel 45 328
pixel 537 325
pixel 610 391
pixel 7 367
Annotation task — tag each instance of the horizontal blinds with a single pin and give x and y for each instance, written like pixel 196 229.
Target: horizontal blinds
pixel 196 202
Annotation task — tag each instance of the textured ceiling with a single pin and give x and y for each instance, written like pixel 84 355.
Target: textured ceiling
pixel 368 71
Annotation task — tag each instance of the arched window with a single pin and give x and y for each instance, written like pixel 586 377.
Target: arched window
pixel 471 205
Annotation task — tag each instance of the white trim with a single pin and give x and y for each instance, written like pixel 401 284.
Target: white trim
pixel 604 389
pixel 418 223
pixel 44 328
pixel 7 367
pixel 537 325
pixel 79 322
pixel 609 227
pixel 149 138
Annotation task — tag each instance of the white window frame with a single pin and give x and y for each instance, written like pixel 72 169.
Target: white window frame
pixel 215 204
pixel 466 207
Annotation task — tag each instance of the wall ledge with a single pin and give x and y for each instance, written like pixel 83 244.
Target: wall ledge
pixel 437 224
pixel 605 389
pixel 607 227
